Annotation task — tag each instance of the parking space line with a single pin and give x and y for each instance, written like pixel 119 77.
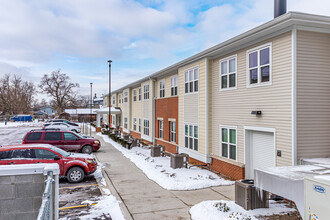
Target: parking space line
pixel 80 186
pixel 77 206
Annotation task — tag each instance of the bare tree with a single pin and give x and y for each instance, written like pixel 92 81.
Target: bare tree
pixel 60 88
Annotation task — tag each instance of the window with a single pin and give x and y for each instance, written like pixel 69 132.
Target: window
pixel 259 66
pixel 34 136
pixel 44 154
pixel 5 154
pixel 70 137
pixel 125 122
pixel 113 100
pixel 146 127
pixel 139 94
pixel 139 124
pixel 174 86
pixel 134 95
pixel 134 124
pixel 114 120
pixel 53 136
pixel 172 131
pixel 162 88
pixel 119 97
pixel 23 153
pixel 146 92
pixel 191 136
pixel 191 80
pixel 125 97
pixel 161 129
pixel 228 73
pixel 228 142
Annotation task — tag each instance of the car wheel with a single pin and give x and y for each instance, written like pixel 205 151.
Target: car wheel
pixel 75 175
pixel 87 149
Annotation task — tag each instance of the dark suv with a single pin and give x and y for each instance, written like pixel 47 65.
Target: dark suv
pixel 66 140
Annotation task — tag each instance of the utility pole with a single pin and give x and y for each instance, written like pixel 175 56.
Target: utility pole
pixel 109 104
pixel 90 116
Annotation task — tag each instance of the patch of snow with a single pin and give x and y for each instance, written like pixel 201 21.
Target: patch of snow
pixel 158 169
pixel 318 160
pixel 293 172
pixel 229 210
pixel 20 124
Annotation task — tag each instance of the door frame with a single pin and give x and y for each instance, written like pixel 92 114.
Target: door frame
pixel 247 144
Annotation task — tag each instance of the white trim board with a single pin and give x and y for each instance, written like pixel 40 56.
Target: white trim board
pixel 194 154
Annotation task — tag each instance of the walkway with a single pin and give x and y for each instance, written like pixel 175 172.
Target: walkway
pixel 143 198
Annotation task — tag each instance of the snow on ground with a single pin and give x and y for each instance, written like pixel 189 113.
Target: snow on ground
pixel 20 124
pixel 226 210
pixel 158 169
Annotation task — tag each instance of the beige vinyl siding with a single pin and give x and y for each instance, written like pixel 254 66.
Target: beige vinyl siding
pixel 313 94
pixel 233 107
pixel 136 110
pixel 191 105
pixel 146 107
pixel 167 81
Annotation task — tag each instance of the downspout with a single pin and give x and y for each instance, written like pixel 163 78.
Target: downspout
pixel 294 96
pixel 153 112
pixel 207 111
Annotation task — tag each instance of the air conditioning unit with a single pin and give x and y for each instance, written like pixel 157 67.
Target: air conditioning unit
pixel 249 197
pixel 317 197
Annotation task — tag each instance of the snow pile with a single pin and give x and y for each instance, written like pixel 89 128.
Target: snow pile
pixel 230 210
pixel 158 169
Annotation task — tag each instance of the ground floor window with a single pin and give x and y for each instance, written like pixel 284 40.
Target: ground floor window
pixel 228 141
pixel 114 120
pixel 146 127
pixel 191 136
pixel 161 128
pixel 125 122
pixel 139 124
pixel 134 124
pixel 172 131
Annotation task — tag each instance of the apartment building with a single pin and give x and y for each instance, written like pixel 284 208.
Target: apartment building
pixel 260 99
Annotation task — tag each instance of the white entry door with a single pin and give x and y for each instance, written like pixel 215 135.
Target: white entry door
pixel 261 151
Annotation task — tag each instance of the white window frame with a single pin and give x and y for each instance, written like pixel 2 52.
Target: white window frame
pixel 162 88
pixel 134 124
pixel 114 100
pixel 191 79
pixel 140 122
pixel 125 97
pixel 228 143
pixel 146 128
pixel 161 129
pixel 259 83
pixel 191 137
pixel 173 132
pixel 227 59
pixel 134 95
pixel 174 85
pixel 119 97
pixel 125 122
pixel 140 94
pixel 146 92
pixel 114 120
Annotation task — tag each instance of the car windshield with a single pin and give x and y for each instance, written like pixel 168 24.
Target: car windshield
pixel 60 151
pixel 79 135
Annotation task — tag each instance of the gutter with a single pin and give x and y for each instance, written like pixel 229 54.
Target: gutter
pixel 207 111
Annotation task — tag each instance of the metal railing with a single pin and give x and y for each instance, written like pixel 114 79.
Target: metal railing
pixel 46 209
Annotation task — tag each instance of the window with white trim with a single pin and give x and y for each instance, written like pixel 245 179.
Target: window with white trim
pixel 172 131
pixel 114 120
pixel 191 80
pixel 228 73
pixel 125 122
pixel 134 124
pixel 191 137
pixel 134 95
pixel 259 66
pixel 113 100
pixel 161 129
pixel 146 127
pixel 139 124
pixel 162 89
pixel 119 97
pixel 125 97
pixel 146 92
pixel 174 85
pixel 140 94
pixel 228 142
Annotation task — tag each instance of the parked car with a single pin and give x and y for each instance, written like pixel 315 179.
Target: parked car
pixel 21 118
pixel 66 140
pixel 61 125
pixel 64 121
pixel 73 166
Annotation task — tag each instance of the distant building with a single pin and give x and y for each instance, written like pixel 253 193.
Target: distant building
pixel 80 114
pixel 47 110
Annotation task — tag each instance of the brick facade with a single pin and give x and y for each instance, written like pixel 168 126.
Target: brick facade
pixel 171 148
pixel 227 169
pixel 136 135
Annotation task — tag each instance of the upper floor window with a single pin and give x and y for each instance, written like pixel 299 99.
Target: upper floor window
pixel 259 66
pixel 146 92
pixel 119 97
pixel 228 73
pixel 113 100
pixel 140 94
pixel 134 95
pixel 174 86
pixel 125 96
pixel 162 88
pixel 191 80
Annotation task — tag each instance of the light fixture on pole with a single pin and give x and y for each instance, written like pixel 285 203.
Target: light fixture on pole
pixel 109 104
pixel 90 116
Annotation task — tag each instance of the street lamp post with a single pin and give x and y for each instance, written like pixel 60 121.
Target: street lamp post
pixel 109 104
pixel 90 116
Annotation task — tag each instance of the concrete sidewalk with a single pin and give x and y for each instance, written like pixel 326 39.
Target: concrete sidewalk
pixel 143 198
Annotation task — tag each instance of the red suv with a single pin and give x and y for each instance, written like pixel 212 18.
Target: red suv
pixel 72 165
pixel 66 140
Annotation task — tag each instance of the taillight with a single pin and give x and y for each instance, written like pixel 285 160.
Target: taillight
pixel 23 142
pixel 43 127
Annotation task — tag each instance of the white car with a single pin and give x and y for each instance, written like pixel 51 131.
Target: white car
pixel 61 125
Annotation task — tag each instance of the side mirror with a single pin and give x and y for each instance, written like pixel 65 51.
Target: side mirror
pixel 57 157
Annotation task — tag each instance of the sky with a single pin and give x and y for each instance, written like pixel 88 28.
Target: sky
pixel 140 37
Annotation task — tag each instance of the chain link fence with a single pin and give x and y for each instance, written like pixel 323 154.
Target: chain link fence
pixel 46 209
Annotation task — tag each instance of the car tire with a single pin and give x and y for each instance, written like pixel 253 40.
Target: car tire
pixel 75 175
pixel 87 149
